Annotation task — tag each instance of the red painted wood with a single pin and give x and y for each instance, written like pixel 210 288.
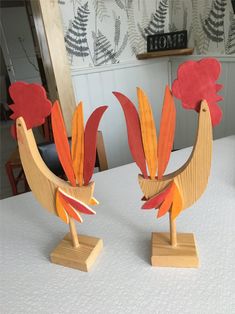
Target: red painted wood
pixel 166 133
pixel 134 132
pixel 90 138
pixel 196 80
pixel 157 200
pixel 69 209
pixel 61 142
pixel 30 102
pixel 166 205
pixel 78 205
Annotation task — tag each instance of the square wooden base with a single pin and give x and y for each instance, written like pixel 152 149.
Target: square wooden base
pixel 183 255
pixel 81 258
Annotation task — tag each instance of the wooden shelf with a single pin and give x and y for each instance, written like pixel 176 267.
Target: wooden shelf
pixel 166 53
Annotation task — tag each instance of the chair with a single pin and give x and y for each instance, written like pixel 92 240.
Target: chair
pixel 15 173
pixel 49 155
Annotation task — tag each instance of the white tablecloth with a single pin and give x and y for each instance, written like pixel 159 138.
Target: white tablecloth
pixel 122 280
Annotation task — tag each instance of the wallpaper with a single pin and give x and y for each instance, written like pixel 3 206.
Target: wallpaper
pixel 210 24
pixel 101 32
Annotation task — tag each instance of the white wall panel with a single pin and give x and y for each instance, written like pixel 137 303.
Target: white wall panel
pixel 186 123
pixel 95 88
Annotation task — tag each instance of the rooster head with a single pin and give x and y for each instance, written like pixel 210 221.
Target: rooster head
pixel 196 80
pixel 30 102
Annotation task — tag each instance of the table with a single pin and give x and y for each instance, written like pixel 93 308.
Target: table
pixel 122 280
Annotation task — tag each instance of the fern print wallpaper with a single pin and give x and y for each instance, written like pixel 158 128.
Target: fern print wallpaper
pixel 210 24
pixel 100 32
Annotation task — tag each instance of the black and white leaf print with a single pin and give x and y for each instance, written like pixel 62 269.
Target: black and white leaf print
pixel 158 20
pixel 117 31
pixel 199 35
pixel 103 51
pixel 100 9
pixel 120 4
pixel 133 35
pixel 123 46
pixel 185 17
pixel 76 36
pixel 175 6
pixel 230 45
pixel 172 27
pixel 213 24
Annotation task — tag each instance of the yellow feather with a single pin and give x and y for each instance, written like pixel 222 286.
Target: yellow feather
pixel 149 134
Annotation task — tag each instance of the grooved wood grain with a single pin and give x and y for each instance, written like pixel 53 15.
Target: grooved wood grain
pixel 81 257
pixel 148 131
pixel 122 279
pixel 192 177
pixel 41 180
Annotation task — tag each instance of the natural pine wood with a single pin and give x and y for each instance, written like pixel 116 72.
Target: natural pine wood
pixel 82 257
pixel 73 233
pixel 183 255
pixel 49 29
pixel 61 142
pixel 148 131
pixel 192 177
pixel 166 53
pixel 173 235
pixel 41 180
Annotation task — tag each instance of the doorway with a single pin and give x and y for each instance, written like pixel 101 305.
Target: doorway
pixel 19 62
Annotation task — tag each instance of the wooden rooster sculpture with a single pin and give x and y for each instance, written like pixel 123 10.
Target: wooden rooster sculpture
pixel 66 199
pixel 196 87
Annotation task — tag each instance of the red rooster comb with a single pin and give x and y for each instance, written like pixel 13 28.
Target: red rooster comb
pixel 196 80
pixel 30 102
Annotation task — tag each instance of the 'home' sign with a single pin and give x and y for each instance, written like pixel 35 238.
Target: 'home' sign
pixel 167 41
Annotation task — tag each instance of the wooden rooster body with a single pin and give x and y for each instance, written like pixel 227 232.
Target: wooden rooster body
pixel 172 193
pixel 44 183
pixel 65 199
pixel 193 176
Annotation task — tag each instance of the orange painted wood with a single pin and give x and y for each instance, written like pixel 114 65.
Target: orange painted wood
pixel 192 176
pixel 78 143
pixel 177 204
pixel 166 205
pixel 90 139
pixel 93 201
pixel 133 131
pixel 78 205
pixel 60 209
pixel 167 131
pixel 69 209
pixel 61 142
pixel 149 134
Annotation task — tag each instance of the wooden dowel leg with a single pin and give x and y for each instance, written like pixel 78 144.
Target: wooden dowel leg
pixel 173 234
pixel 73 232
